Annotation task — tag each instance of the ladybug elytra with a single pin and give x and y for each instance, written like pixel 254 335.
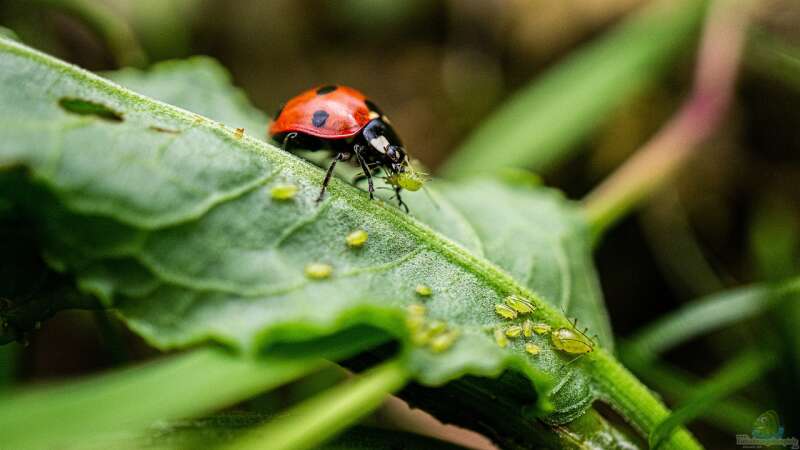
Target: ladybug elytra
pixel 342 120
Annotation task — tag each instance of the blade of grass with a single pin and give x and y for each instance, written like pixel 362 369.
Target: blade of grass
pixel 770 57
pixel 133 398
pixel 734 376
pixel 734 415
pixel 702 316
pixel 657 162
pixel 542 123
pixel 317 419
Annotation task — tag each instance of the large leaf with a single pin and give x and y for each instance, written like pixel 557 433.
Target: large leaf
pixel 168 216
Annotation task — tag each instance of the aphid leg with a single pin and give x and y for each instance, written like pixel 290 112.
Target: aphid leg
pixel 336 159
pixel 371 188
pixel 400 201
pixel 287 141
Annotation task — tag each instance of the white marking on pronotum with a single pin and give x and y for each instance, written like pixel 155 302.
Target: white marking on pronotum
pixel 380 143
pixel 373 115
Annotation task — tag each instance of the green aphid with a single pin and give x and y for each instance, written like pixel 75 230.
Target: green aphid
pixel 318 271
pixel 572 341
pixel 505 312
pixel 283 191
pixel 423 290
pixel 420 336
pixel 532 348
pixel 519 304
pixel 356 239
pixel 513 331
pixel 443 341
pixel 415 309
pixel 500 338
pixel 410 180
pixel 436 327
pixel 415 323
pixel 527 328
pixel 541 328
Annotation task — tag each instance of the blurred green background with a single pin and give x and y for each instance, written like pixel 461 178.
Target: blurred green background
pixel 439 69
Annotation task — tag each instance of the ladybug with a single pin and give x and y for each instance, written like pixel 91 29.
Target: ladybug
pixel 342 120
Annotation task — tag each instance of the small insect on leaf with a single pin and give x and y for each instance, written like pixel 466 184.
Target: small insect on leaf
pixel 436 327
pixel 415 309
pixel 443 341
pixel 527 328
pixel 318 271
pixel 415 321
pixel 541 328
pixel 410 180
pixel 283 191
pixel 570 341
pixel 532 348
pixel 505 312
pixel 519 304
pixel 423 290
pixel 356 239
pixel 239 133
pixel 500 338
pixel 513 331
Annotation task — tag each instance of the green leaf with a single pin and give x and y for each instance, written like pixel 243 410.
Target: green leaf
pixel 200 85
pixel 704 315
pixel 534 234
pixel 168 216
pixel 184 382
pixel 734 376
pixel 220 429
pixel 544 122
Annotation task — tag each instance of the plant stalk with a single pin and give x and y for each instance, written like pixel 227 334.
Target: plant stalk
pixel 317 419
pixel 659 160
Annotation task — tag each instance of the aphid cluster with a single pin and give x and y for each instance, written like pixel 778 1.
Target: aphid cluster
pixel 434 334
pixel 568 340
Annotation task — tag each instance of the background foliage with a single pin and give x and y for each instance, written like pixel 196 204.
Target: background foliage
pixel 711 260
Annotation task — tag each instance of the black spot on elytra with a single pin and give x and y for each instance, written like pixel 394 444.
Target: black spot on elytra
pixel 326 89
pixel 373 107
pixel 89 108
pixel 319 118
pixel 279 111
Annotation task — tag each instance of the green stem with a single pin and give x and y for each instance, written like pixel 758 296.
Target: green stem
pixel 313 421
pixel 132 399
pixel 626 394
pixel 666 153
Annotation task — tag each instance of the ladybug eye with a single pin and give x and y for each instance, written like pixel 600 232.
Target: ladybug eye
pixel 394 153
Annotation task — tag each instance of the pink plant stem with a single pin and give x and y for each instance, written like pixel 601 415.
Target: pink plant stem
pixel 659 159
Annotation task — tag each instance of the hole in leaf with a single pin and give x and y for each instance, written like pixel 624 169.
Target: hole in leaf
pixel 89 108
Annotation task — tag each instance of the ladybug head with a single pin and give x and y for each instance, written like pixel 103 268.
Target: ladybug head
pixel 398 161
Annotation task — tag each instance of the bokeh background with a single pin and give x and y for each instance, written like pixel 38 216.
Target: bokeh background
pixel 438 69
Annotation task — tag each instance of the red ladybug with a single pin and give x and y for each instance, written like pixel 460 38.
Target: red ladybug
pixel 342 120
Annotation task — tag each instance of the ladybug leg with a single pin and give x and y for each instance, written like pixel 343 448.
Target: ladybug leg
pixel 400 201
pixel 358 149
pixel 336 159
pixel 288 140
